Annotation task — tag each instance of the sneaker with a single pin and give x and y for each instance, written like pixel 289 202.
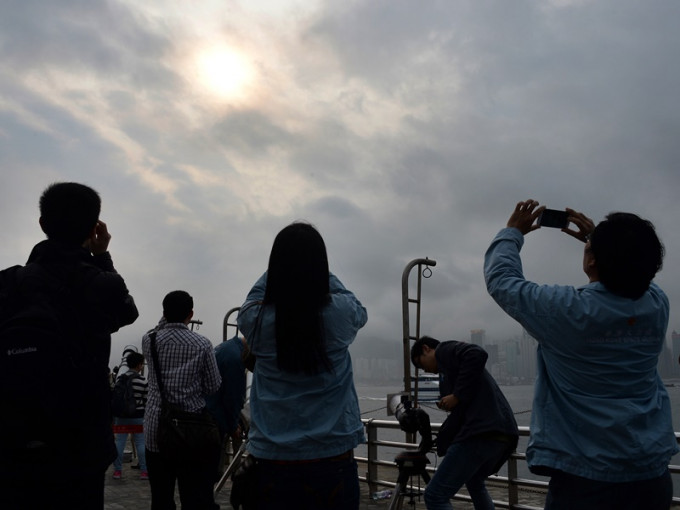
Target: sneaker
pixel 117 474
pixel 144 475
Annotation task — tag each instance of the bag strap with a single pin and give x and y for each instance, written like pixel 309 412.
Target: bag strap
pixel 156 366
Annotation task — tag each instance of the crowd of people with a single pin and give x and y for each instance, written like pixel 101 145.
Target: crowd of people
pixel 601 426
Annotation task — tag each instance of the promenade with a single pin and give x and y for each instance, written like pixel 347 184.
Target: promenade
pixel 131 492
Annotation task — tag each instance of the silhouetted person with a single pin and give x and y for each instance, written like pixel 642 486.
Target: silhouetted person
pixel 55 429
pixel 189 373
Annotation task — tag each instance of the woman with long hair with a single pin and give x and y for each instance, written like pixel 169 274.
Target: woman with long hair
pixel 299 321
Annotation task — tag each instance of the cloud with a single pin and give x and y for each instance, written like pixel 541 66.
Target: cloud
pixel 401 131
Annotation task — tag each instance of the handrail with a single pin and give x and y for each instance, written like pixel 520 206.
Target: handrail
pixel 531 489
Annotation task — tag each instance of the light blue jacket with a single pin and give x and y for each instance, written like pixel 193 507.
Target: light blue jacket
pixel 600 408
pixel 297 416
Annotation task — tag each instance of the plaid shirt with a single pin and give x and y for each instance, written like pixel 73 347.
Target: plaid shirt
pixel 189 372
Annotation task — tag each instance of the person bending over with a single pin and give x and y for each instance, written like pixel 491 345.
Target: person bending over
pixel 480 431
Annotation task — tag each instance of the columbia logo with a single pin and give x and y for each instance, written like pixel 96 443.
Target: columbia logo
pixel 25 350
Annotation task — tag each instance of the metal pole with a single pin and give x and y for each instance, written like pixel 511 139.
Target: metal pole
pixel 226 323
pixel 405 301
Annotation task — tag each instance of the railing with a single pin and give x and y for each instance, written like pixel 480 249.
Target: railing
pixel 514 487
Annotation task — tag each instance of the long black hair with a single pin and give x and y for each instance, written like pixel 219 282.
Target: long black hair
pixel 297 286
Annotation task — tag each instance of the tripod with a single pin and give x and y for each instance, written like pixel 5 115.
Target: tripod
pixel 411 464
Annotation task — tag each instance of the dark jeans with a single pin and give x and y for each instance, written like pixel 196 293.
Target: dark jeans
pixel 195 482
pixel 466 463
pixel 84 493
pixel 569 492
pixel 318 485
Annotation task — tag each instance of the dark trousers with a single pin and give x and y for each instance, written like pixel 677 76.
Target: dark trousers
pixel 195 482
pixel 84 493
pixel 569 492
pixel 318 485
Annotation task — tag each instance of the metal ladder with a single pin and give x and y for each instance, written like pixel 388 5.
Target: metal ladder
pixel 406 301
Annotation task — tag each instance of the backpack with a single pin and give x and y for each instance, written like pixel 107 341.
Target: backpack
pixel 123 401
pixel 44 359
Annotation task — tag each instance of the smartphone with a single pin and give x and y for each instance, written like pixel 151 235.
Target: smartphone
pixel 553 218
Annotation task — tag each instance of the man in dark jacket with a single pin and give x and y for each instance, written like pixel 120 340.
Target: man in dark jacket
pixel 480 432
pixel 57 314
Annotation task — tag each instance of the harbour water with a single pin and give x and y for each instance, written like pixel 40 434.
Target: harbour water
pixel 372 401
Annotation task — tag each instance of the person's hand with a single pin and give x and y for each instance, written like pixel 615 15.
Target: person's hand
pixel 448 402
pixel 584 225
pixel 100 238
pixel 524 216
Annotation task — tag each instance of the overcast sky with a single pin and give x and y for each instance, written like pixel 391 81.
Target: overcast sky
pixel 400 129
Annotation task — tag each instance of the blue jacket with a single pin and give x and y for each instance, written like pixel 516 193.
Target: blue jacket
pixel 600 408
pixel 226 404
pixel 296 416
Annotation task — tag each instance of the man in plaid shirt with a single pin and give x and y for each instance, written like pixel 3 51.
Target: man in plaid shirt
pixel 189 373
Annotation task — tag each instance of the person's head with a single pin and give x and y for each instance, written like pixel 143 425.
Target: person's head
pixel 178 306
pixel 298 288
pixel 626 254
pixel 134 360
pixel 423 355
pixel 298 265
pixel 69 212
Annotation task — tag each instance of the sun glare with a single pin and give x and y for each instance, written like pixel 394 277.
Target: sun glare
pixel 226 73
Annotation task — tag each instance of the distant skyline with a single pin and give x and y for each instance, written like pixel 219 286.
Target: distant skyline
pixel 401 130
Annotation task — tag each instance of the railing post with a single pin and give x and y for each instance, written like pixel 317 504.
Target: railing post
pixel 513 493
pixel 226 323
pixel 372 467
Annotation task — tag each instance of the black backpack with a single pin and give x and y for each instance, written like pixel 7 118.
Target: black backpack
pixel 44 359
pixel 123 402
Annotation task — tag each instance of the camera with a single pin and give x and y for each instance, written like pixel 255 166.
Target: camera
pixel 414 419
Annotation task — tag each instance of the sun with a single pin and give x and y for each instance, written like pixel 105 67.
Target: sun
pixel 225 72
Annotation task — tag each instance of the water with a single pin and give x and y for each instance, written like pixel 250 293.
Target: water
pixel 372 401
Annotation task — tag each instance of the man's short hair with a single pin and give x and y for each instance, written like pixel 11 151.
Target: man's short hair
pixel 133 359
pixel 627 253
pixel 69 211
pixel 417 347
pixel 177 306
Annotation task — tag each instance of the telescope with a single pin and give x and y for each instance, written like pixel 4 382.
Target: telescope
pixel 411 463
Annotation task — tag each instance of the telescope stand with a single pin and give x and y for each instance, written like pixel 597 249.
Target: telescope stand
pixel 411 464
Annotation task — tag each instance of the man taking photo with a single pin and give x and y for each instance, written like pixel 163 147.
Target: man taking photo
pixel 601 423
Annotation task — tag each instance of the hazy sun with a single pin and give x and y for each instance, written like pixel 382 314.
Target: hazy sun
pixel 225 72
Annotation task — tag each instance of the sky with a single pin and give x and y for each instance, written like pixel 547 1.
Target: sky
pixel 401 130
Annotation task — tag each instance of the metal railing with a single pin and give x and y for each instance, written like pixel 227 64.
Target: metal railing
pixel 514 487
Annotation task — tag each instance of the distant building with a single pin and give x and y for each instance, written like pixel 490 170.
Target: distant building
pixel 478 336
pixel 520 355
pixel 377 361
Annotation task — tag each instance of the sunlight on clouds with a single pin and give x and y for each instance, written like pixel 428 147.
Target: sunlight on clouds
pixel 202 176
pixel 30 119
pixel 225 72
pixel 82 97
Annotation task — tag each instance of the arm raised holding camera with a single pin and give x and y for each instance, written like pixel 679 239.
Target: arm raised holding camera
pixel 524 216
